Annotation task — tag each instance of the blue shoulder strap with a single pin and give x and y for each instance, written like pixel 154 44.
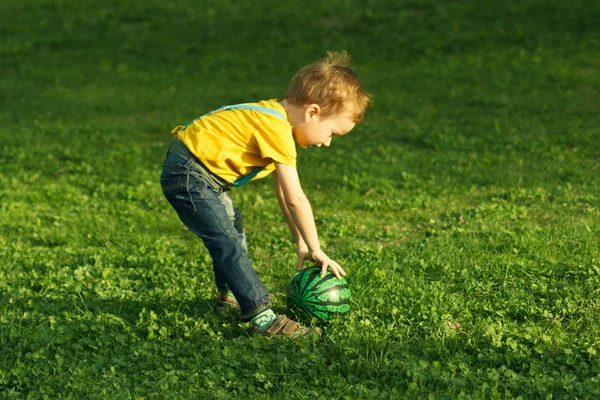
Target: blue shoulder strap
pixel 244 106
pixel 248 177
pixel 255 108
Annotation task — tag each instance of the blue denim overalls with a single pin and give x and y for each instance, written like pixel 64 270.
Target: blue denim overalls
pixel 199 197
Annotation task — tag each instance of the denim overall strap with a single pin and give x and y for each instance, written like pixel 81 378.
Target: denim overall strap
pixel 242 106
pixel 246 178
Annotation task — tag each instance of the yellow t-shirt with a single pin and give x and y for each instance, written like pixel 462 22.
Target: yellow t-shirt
pixel 233 143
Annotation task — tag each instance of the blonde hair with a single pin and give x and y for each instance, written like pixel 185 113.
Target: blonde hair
pixel 332 85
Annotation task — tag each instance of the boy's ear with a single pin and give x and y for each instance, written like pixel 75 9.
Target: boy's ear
pixel 312 111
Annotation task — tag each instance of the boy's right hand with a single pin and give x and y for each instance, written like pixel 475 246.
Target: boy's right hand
pixel 320 259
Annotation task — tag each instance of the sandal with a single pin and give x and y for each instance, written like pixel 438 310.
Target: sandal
pixel 226 301
pixel 283 326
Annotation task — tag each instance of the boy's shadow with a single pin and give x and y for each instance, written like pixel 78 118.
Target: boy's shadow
pixel 178 318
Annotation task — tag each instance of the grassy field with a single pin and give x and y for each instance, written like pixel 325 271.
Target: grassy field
pixel 466 209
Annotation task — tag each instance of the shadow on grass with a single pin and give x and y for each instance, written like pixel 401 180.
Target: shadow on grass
pixel 152 318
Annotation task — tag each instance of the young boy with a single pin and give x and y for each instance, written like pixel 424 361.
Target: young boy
pixel 235 144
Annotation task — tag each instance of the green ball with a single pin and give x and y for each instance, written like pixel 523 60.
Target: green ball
pixel 310 296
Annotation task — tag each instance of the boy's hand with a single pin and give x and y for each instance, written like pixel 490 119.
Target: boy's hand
pixel 302 253
pixel 320 259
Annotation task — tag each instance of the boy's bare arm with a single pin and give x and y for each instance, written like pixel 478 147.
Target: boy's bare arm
pixel 293 199
pixel 297 205
pixel 286 213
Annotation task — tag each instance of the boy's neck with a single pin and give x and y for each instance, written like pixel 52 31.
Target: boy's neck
pixel 295 113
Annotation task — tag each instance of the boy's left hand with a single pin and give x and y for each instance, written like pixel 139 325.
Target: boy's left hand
pixel 302 253
pixel 320 259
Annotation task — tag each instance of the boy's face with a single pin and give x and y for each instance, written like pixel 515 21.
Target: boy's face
pixel 318 131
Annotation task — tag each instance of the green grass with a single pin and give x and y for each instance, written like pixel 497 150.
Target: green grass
pixel 466 209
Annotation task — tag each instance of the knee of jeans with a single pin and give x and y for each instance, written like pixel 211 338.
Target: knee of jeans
pixel 227 243
pixel 244 243
pixel 232 235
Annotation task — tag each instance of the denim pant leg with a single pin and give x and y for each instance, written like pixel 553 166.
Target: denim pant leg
pixel 209 213
pixel 234 214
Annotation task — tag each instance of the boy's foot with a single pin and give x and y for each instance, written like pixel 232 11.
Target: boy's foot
pixel 227 302
pixel 283 326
